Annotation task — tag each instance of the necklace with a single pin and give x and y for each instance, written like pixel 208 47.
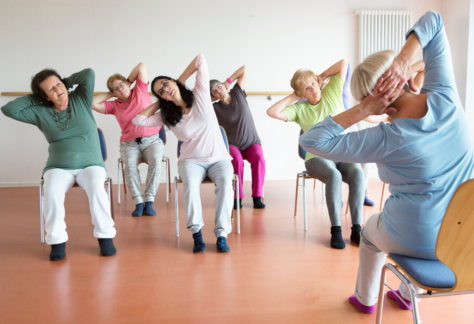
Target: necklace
pixel 68 117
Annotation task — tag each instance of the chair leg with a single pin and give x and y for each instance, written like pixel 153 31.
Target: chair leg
pixel 169 176
pixel 238 205
pixel 304 203
pixel 118 180
pixel 41 211
pixel 347 207
pixel 381 295
pixel 381 199
pixel 176 204
pixel 314 186
pixel 111 198
pixel 123 175
pixel 297 187
pixel 414 303
pixel 167 181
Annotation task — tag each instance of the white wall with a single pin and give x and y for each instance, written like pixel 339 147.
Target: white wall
pixel 273 38
pixel 455 15
pixel 469 107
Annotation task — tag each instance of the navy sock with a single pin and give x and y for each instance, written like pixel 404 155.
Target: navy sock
pixel 58 251
pixel 222 245
pixel 235 203
pixel 257 203
pixel 355 233
pixel 149 209
pixel 107 247
pixel 138 210
pixel 336 238
pixel 199 244
pixel 368 202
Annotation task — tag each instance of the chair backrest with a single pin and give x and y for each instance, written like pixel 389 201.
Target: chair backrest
pixel 103 145
pixel 301 151
pixel 224 137
pixel 455 243
pixel 162 135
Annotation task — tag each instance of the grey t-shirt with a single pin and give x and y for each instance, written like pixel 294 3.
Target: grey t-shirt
pixel 237 120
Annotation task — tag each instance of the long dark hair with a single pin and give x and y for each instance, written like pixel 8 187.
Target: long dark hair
pixel 38 93
pixel 170 113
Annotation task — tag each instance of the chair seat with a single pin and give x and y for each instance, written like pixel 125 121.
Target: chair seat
pixel 206 179
pixel 428 273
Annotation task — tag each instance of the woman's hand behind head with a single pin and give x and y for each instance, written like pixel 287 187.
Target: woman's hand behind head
pixel 398 74
pixel 383 95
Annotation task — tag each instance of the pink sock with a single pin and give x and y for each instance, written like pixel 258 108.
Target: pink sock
pixel 390 294
pixel 364 309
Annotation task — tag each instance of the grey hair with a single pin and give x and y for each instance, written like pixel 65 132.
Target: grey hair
pixel 367 73
pixel 213 83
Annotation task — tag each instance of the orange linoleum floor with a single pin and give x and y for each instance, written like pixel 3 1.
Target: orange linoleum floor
pixel 275 272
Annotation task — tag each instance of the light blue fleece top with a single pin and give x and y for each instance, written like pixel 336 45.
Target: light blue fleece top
pixel 424 160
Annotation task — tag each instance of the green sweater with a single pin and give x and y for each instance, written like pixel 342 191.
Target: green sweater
pixel 77 147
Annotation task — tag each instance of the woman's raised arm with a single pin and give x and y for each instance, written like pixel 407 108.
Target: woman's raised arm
pixel 276 111
pixel 138 72
pixel 98 101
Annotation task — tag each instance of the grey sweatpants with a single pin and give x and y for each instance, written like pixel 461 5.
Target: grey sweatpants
pixel 333 174
pixel 220 173
pixel 374 246
pixel 150 151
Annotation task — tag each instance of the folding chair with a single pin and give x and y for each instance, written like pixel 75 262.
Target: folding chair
pixel 453 273
pixel 162 135
pixel 235 185
pixel 108 182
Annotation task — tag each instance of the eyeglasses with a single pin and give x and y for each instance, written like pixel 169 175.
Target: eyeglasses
pixel 164 85
pixel 118 87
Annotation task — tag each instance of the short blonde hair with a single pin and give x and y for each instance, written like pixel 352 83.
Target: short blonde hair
pixel 300 76
pixel 116 76
pixel 367 73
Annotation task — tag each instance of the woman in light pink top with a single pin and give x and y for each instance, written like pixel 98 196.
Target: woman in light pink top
pixel 191 117
pixel 137 144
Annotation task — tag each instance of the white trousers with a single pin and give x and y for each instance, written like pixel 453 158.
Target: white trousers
pixel 57 182
pixel 374 246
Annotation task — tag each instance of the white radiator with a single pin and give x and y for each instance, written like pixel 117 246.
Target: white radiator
pixel 380 30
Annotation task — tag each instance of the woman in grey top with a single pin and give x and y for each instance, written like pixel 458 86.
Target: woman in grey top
pixel 233 113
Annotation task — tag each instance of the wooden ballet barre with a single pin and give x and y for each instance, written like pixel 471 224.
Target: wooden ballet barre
pixel 250 93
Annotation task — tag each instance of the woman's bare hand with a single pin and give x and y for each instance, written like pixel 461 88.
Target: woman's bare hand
pixel 398 74
pixel 383 95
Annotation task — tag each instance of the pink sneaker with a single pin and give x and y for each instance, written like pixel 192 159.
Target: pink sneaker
pixel 364 309
pixel 391 295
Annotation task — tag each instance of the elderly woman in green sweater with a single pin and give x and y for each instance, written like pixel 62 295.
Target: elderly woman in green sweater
pixel 75 156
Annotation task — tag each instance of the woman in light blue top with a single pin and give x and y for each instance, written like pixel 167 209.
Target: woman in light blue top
pixel 424 154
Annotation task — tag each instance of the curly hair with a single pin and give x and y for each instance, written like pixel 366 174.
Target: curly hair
pixel 170 113
pixel 38 93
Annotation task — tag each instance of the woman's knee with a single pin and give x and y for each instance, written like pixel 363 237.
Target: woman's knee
pixel 333 176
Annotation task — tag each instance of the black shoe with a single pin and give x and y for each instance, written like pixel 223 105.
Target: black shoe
pixel 336 238
pixel 222 245
pixel 58 251
pixel 235 203
pixel 355 233
pixel 257 203
pixel 107 247
pixel 199 244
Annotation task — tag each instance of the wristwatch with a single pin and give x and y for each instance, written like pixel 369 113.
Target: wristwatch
pixel 325 82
